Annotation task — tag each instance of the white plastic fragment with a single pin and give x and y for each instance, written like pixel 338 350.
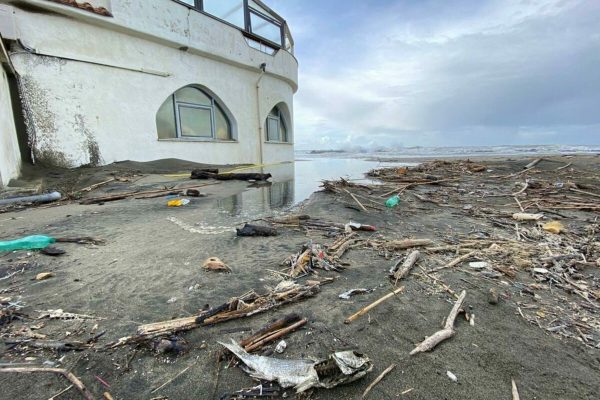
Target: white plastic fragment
pixel 452 377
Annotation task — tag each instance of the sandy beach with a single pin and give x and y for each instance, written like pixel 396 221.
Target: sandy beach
pixel 149 269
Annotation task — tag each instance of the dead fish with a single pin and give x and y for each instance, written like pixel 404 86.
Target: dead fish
pixel 341 367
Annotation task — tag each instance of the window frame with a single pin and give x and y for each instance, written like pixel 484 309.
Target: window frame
pixel 214 105
pixel 247 29
pixel 280 122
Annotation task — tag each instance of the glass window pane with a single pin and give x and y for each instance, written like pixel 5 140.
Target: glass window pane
pixel 254 5
pixel 283 130
pixel 222 125
pixel 193 96
pixel 165 120
pixel 195 122
pixel 190 2
pixel 264 28
pixel 231 11
pixel 273 129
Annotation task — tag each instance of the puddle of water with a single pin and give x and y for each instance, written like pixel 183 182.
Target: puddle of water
pixel 293 183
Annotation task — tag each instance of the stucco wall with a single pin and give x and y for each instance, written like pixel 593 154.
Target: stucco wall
pixel 10 158
pixel 92 97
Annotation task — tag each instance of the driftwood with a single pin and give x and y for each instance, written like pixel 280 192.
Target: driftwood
pixel 246 305
pixel 454 262
pixel 378 379
pixel 446 333
pixel 515 391
pixel 399 244
pixel 533 163
pixel 57 345
pixel 125 195
pixel 368 308
pixel 205 174
pixel 356 200
pixel 410 261
pixel 256 230
pixel 273 332
pixel 68 375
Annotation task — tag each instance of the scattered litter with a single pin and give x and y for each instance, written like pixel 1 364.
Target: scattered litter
pixel 215 264
pixel 555 227
pixel 27 243
pixel 178 202
pixel 452 377
pixel 281 346
pixel 478 265
pixel 354 292
pixel 172 300
pixel 339 368
pixel 42 276
pixel 52 251
pixel 527 217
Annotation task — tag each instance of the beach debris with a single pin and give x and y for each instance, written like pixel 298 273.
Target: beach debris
pixel 281 346
pixel 313 256
pixel 178 202
pixel 56 345
pixel 52 251
pixel 9 309
pixel 256 230
pixel 555 227
pixel 429 343
pixel 264 390
pixel 527 216
pixel 339 368
pixel 355 226
pixel 60 314
pixel 171 345
pixel 515 391
pixel 394 245
pixel 399 272
pixel 172 300
pixel 33 242
pixel 246 305
pixel 368 308
pixel 378 379
pixel 215 264
pixel 140 195
pixel 63 372
pixel 454 262
pixel 228 176
pixel 353 292
pixel 493 297
pixel 193 193
pixel 39 198
pixel 452 377
pixel 272 331
pixel 392 201
pixel 479 265
pixel 42 276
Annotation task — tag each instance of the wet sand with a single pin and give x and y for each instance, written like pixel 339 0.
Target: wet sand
pixel 154 254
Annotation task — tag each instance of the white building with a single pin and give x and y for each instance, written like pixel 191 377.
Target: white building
pixel 210 81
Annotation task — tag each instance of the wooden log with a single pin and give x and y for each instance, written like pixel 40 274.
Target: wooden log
pixel 68 375
pixel 533 163
pixel 446 333
pixel 203 174
pixel 406 266
pixel 371 306
pixel 402 244
pixel 256 230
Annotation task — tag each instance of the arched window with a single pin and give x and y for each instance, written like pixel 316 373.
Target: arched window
pixel 191 113
pixel 275 126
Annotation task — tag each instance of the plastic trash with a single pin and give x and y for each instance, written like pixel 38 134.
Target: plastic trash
pixel 178 202
pixel 392 201
pixel 40 198
pixel 27 243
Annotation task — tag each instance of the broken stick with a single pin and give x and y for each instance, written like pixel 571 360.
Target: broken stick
pixel 515 391
pixel 378 379
pixel 406 266
pixel 68 375
pixel 368 308
pixel 446 333
pixel 454 262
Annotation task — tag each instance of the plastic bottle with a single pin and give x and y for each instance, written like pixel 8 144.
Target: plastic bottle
pixel 392 201
pixel 27 243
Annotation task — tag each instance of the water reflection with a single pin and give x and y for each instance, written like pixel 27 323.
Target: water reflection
pixel 293 183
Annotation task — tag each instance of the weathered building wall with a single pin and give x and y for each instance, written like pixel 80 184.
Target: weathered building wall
pixel 92 89
pixel 10 157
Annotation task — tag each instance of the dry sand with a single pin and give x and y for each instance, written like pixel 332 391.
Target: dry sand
pixel 154 254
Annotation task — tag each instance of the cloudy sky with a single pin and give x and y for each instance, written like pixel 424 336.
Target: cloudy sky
pixel 445 72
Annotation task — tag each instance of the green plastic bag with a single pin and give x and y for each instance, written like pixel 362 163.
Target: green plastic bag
pixel 27 243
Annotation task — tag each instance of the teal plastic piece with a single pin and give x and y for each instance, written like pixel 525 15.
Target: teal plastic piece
pixel 392 201
pixel 27 243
